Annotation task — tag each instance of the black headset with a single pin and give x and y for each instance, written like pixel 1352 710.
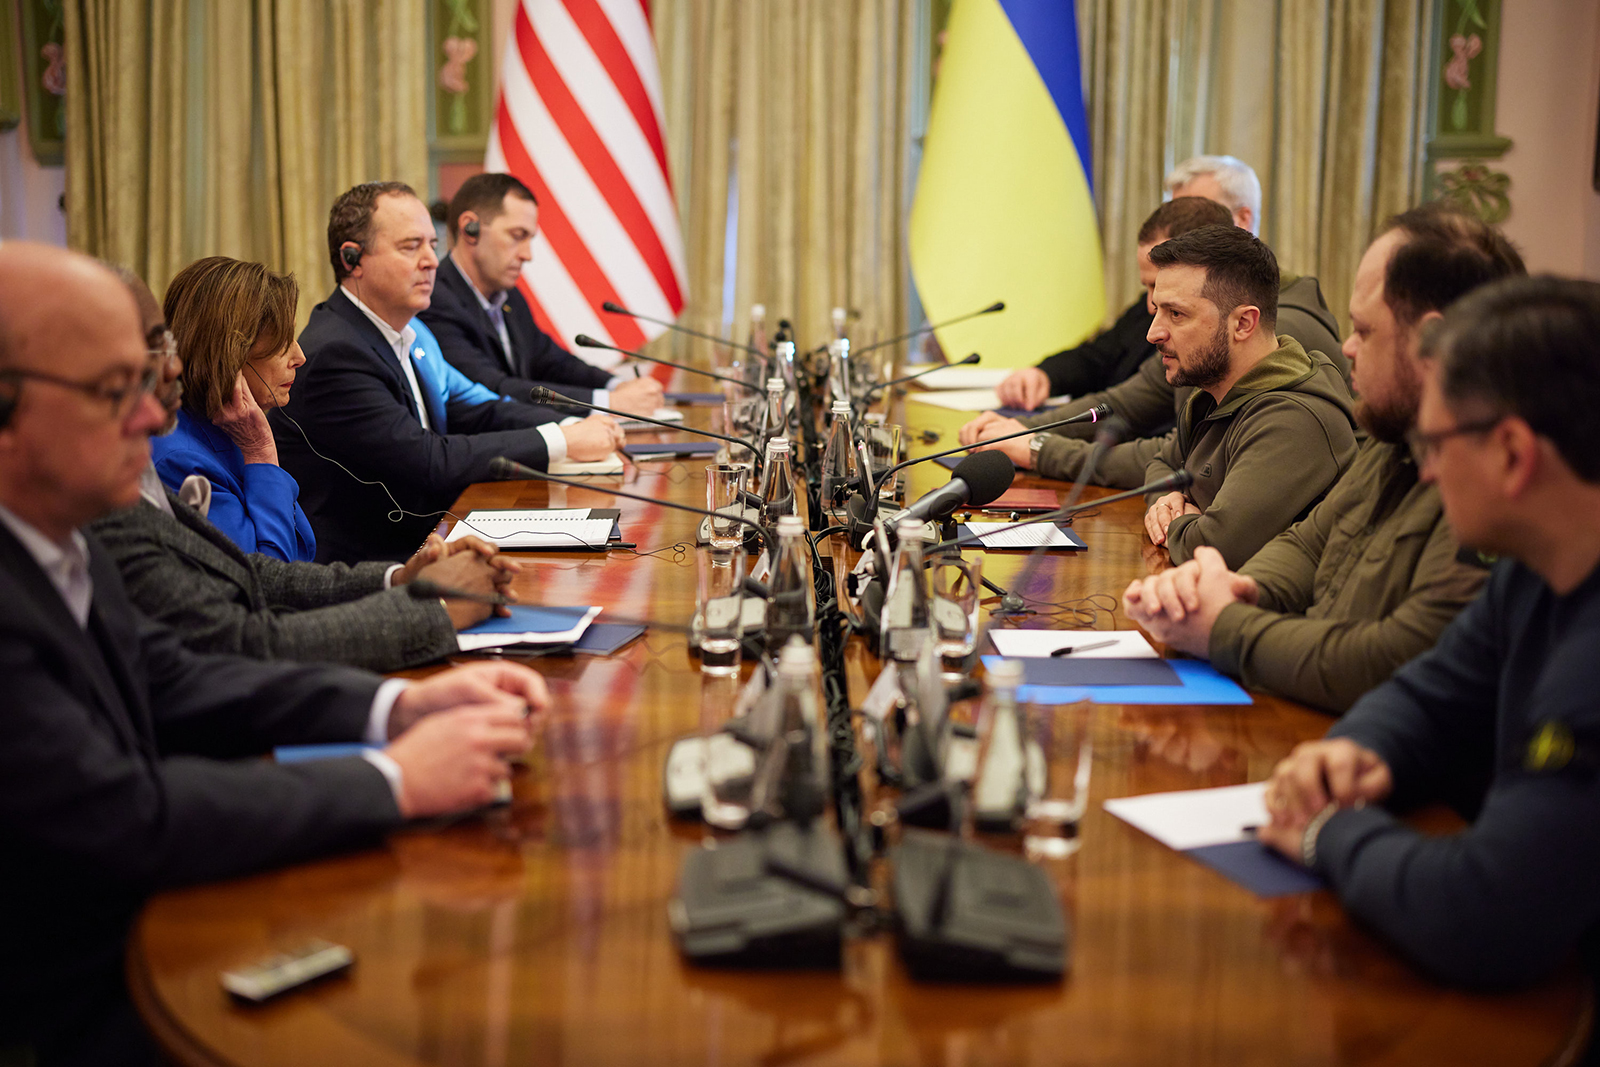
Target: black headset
pixel 350 255
pixel 472 229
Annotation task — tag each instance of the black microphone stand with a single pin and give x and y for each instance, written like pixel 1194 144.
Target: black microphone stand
pixel 542 395
pixel 583 340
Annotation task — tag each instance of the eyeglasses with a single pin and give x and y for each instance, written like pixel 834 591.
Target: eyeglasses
pixel 1424 446
pixel 121 398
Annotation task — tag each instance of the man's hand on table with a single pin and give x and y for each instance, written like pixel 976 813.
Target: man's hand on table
pixel 990 425
pixel 1179 607
pixel 453 733
pixel 1162 512
pixel 468 563
pixel 1316 777
pixel 641 396
pixel 1026 388
pixel 592 439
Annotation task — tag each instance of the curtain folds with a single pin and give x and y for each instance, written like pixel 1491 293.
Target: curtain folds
pixel 792 121
pixel 227 127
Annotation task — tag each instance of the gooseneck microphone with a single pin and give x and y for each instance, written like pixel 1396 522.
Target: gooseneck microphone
pixel 618 309
pixel 977 480
pixel 998 305
pixel 423 589
pixel 583 340
pixel 891 383
pixel 548 397
pixel 1176 481
pixel 504 469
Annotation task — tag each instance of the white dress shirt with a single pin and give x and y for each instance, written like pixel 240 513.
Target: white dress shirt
pixel 67 567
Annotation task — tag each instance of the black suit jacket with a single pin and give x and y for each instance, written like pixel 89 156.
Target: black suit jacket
pixel 355 407
pixel 472 345
pixel 113 785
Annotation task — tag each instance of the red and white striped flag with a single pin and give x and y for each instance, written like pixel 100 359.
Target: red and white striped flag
pixel 578 120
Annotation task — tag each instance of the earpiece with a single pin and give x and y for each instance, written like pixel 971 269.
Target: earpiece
pixel 472 229
pixel 350 255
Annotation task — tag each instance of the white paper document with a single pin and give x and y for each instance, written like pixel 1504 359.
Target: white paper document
pixel 995 535
pixel 972 399
pixel 966 377
pixel 1196 818
pixel 1038 644
pixel 659 414
pixel 478 642
pixel 564 528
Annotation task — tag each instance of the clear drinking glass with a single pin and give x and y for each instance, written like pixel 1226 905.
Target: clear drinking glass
pixel 1061 755
pixel 883 445
pixel 957 591
pixel 719 606
pixel 724 484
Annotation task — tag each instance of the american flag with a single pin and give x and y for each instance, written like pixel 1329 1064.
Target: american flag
pixel 578 120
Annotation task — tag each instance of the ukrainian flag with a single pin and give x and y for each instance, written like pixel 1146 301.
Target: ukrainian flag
pixel 1004 207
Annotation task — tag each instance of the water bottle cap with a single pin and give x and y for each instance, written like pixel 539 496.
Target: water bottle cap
pixel 774 383
pixel 797 657
pixel 909 528
pixel 777 444
pixel 1006 673
pixel 790 526
pixel 841 407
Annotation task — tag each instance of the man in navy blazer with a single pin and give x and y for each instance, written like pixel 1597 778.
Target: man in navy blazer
pixel 127 762
pixel 483 322
pixel 380 445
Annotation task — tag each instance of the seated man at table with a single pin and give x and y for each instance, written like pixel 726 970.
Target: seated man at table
pixel 1499 719
pixel 1331 606
pixel 1268 428
pixel 181 570
pixel 381 438
pixel 483 322
pixel 127 763
pixel 1146 400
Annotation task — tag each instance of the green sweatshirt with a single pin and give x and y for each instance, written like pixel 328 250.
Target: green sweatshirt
pixel 1262 457
pixel 1150 405
pixel 1365 582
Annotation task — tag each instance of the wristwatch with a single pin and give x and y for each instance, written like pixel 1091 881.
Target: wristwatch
pixel 1035 443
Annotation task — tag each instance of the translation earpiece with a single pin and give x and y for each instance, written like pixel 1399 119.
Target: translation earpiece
pixel 350 256
pixel 472 229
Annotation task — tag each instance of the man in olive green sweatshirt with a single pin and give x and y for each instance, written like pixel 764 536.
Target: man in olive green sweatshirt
pixel 1268 428
pixel 1370 578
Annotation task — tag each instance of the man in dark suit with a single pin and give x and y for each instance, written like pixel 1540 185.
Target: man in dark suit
pixel 484 324
pixel 380 445
pixel 124 764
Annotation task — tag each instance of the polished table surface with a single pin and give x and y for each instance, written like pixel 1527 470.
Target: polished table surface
pixel 538 933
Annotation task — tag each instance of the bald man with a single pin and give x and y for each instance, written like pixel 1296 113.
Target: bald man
pixel 123 766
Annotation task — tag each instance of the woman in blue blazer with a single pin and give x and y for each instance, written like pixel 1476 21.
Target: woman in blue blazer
pixel 234 325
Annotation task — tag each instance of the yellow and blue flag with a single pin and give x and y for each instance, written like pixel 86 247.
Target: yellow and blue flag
pixel 1004 208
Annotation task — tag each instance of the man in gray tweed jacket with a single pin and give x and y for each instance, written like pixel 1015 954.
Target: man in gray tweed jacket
pixel 181 570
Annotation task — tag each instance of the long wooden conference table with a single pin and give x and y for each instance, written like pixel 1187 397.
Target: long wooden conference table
pixel 538 933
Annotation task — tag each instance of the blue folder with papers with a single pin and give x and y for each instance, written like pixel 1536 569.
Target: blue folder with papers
pixel 1198 683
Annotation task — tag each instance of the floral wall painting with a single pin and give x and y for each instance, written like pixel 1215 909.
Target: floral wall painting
pixel 1461 134
pixel 44 78
pixel 461 99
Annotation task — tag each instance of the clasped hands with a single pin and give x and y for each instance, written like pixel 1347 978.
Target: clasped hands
pixel 990 425
pixel 1317 775
pixel 469 564
pixel 1179 606
pixel 1163 511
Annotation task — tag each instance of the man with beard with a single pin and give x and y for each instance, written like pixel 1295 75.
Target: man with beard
pixel 1268 428
pixel 1329 608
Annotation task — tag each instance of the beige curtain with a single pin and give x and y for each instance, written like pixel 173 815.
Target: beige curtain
pixel 801 110
pixel 1324 98
pixel 227 127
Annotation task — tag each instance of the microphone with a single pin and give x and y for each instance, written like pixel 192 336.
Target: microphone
pixel 876 389
pixel 548 397
pixel 503 469
pixel 423 589
pixel 1173 482
pixel 869 506
pixel 618 309
pixel 998 305
pixel 583 340
pixel 977 480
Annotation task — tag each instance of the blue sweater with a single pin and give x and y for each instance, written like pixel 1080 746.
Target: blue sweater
pixel 255 504
pixel 1504 714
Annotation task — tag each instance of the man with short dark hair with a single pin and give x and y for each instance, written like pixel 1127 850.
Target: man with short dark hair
pixel 380 437
pixel 483 322
pixel 1500 717
pixel 1141 395
pixel 1330 607
pixel 1269 426
pixel 129 765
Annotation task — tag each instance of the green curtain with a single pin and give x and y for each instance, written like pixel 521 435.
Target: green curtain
pixel 227 127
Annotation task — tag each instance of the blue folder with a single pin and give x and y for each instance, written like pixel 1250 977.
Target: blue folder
pixel 1200 684
pixel 531 619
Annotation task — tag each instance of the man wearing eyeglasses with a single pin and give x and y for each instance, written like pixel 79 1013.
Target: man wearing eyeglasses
pixel 1501 716
pixel 1373 574
pixel 126 762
